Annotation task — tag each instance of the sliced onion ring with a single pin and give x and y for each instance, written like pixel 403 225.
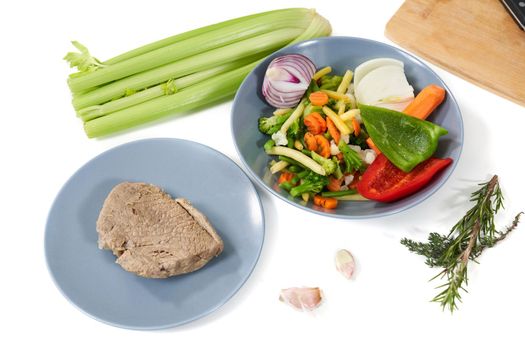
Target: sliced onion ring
pixel 286 79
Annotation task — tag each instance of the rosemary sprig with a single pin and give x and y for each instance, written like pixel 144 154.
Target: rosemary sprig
pixel 466 241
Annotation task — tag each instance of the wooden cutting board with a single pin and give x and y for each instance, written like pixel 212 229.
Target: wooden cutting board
pixel 475 39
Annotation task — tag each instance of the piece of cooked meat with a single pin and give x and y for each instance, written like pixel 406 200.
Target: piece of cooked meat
pixel 154 235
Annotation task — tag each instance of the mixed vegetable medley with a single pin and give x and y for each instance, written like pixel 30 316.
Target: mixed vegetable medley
pixel 357 136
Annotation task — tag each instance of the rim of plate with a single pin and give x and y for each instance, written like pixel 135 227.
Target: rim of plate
pixel 173 324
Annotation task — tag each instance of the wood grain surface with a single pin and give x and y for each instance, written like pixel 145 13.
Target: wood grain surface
pixel 474 39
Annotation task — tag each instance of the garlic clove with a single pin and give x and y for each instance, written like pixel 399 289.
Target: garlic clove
pixel 345 263
pixel 305 298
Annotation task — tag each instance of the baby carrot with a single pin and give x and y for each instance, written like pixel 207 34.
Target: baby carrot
pixel 372 145
pixel 332 129
pixel 357 127
pixel 315 123
pixel 325 202
pixel 426 102
pixel 318 98
pixel 285 177
pixel 334 184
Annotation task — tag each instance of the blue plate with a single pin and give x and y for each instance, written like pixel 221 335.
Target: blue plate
pixel 90 278
pixel 340 53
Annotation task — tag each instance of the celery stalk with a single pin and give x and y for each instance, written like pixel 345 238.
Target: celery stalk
pixel 300 19
pixel 319 26
pixel 193 33
pixel 265 42
pixel 167 88
pixel 92 112
pixel 204 93
pixel 183 72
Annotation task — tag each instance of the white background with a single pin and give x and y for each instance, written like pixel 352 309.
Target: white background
pixel 42 144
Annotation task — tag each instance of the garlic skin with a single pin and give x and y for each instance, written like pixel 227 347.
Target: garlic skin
pixel 345 263
pixel 305 298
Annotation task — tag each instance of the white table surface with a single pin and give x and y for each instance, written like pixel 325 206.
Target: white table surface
pixel 42 144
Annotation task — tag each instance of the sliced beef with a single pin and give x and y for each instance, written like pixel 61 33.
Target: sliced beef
pixel 154 235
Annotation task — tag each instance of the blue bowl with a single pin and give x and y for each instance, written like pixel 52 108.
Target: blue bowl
pixel 341 53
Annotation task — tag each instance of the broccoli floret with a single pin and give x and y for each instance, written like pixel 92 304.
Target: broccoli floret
pixel 294 129
pixel 352 160
pixel 312 182
pixel 338 173
pixel 328 165
pixel 270 125
pixel 297 129
pixel 268 145
pixel 330 82
pixel 332 103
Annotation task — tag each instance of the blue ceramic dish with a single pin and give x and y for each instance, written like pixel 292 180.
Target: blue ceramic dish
pixel 90 278
pixel 340 53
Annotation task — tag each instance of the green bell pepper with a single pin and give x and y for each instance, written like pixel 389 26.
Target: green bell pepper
pixel 406 141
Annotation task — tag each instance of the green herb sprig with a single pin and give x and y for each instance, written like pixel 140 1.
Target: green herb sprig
pixel 466 241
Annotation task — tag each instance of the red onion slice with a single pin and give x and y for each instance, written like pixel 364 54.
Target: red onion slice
pixel 286 79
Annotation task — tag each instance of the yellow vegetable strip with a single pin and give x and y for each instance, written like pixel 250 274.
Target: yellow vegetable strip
pixel 280 165
pixel 339 123
pixel 305 196
pixel 297 156
pixel 281 111
pixel 349 115
pixel 296 114
pixel 345 83
pixel 340 107
pixel 322 72
pixel 336 95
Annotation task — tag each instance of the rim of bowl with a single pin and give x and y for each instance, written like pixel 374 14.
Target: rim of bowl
pixel 436 186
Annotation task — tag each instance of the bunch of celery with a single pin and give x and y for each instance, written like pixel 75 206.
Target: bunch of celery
pixel 183 72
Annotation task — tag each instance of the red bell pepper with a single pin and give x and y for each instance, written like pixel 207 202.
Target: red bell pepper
pixel 384 182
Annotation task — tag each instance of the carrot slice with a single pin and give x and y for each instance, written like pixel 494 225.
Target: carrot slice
pixel 317 143
pixel 372 145
pixel 309 140
pixel 426 102
pixel 315 123
pixel 328 203
pixel 285 177
pixel 323 146
pixel 335 184
pixel 332 129
pixel 357 127
pixel 318 98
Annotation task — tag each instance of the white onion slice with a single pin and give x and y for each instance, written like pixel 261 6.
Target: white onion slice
pixel 386 84
pixel 368 66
